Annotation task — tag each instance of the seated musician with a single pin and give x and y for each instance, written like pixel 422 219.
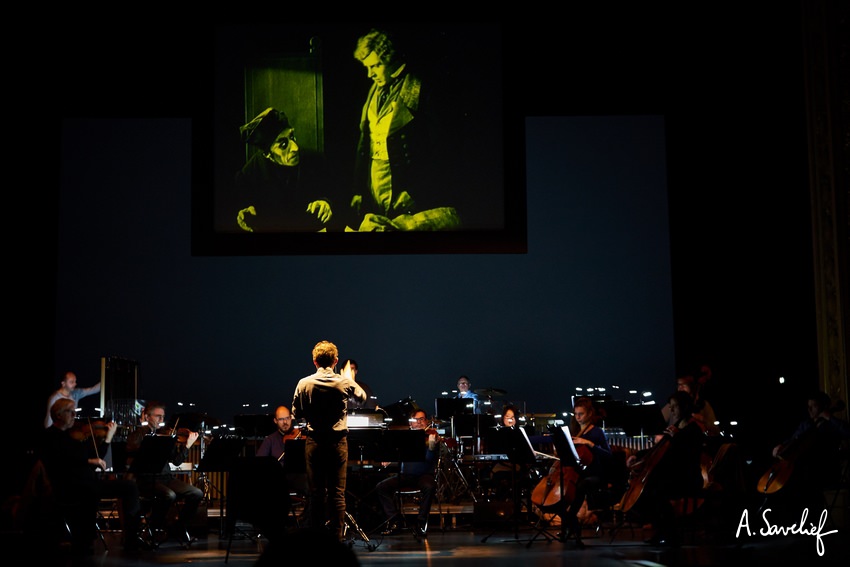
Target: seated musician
pixel 274 445
pixel 811 457
pixel 503 475
pixel 70 458
pixel 464 391
pixel 595 476
pixel 165 487
pixel 677 473
pixel 413 474
pixel 703 410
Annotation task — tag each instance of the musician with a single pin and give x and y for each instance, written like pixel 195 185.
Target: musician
pixel 504 474
pixel 678 472
pixel 69 462
pixel 703 410
pixel 464 390
pixel 414 474
pixel 274 445
pixel 595 475
pixel 371 402
pixel 165 487
pixel 814 453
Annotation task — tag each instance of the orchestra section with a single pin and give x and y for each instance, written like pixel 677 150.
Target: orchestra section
pixel 470 468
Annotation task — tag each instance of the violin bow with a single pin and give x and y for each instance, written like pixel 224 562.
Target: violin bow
pixel 94 444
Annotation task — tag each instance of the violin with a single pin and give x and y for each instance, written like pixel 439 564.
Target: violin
pixel 437 438
pixel 181 434
pixel 83 430
pixel 294 433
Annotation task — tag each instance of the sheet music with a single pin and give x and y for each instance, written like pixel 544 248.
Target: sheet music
pixel 569 436
pixel 527 440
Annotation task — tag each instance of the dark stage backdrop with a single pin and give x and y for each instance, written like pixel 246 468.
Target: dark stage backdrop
pixel 589 305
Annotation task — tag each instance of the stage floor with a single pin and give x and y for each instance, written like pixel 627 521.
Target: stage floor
pixel 467 542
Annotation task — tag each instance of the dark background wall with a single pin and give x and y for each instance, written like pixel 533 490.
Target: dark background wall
pixel 588 305
pixel 729 85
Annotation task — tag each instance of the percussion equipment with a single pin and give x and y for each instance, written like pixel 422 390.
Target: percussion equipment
pixel 491 392
pixel 488 458
pixel 450 448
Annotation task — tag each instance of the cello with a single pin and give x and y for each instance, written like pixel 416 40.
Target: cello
pixel 641 472
pixel 779 473
pixel 558 489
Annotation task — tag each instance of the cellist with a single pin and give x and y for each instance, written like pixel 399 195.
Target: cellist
pixel 676 474
pixel 811 457
pixel 595 475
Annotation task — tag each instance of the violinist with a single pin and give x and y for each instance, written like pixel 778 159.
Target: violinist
pixel 70 462
pixel 165 487
pixel 669 470
pixel 274 445
pixel 595 474
pixel 419 475
pixel 811 457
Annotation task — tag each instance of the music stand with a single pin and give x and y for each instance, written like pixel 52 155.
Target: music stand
pixel 401 445
pixel 153 455
pixel 448 408
pixel 221 453
pixel 257 493
pixel 568 456
pixel 367 441
pixel 294 459
pixel 220 456
pixel 513 442
pixel 399 412
pixel 562 439
pixel 150 460
pixel 254 426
